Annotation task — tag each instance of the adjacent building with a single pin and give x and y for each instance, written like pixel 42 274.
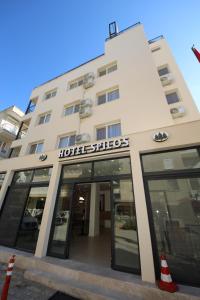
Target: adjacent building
pixel 105 168
pixel 10 119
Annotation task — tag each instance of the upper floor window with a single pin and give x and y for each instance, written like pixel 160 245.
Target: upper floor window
pixel 155 49
pixel 108 96
pixel 15 151
pixel 76 83
pixel 36 148
pixel 31 105
pixel 71 109
pixel 2 176
pixel 67 141
pixel 50 94
pixel 107 69
pixel 163 71
pixel 172 97
pixel 45 118
pixel 108 131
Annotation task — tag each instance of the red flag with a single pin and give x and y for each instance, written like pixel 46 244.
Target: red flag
pixel 196 53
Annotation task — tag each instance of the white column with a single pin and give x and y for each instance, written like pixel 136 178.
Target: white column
pixel 145 245
pixel 94 211
pixel 5 185
pixel 43 237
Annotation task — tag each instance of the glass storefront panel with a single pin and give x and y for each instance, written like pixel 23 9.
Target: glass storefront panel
pixel 31 221
pixel 112 167
pixel 23 177
pixel 60 225
pixel 41 175
pixel 126 252
pixel 172 160
pixel 176 216
pixel 77 171
pixel 11 215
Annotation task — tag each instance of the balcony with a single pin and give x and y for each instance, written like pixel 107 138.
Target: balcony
pixel 8 130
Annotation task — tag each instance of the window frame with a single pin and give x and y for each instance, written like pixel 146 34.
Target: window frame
pixel 106 126
pixel 52 94
pixel 69 136
pixel 172 92
pixel 106 94
pixel 163 67
pixel 73 106
pixel 45 115
pixel 36 144
pixel 106 69
pixel 76 83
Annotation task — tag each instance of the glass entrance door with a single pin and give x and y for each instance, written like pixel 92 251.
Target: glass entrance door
pixel 125 252
pixel 175 204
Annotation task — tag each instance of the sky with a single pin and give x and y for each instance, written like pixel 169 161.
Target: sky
pixel 40 39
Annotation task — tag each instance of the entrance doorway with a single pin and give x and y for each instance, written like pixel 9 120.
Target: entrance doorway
pixel 94 217
pixel 91 224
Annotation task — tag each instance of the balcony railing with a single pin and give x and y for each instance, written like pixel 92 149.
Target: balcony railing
pixel 11 128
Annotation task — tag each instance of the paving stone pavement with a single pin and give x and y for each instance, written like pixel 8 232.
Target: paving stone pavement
pixel 22 289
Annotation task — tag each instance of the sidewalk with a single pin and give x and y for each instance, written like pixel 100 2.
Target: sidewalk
pixel 23 289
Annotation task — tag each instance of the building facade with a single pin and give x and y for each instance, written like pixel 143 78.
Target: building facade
pixel 108 165
pixel 10 119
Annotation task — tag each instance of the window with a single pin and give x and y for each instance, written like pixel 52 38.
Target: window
pixel 50 94
pixel 108 96
pixel 44 118
pixel 72 109
pixel 15 152
pixel 163 71
pixel 67 141
pixel 172 98
pixel 31 105
pixel 36 148
pixel 2 176
pixel 155 49
pixel 76 83
pixel 106 70
pixel 109 131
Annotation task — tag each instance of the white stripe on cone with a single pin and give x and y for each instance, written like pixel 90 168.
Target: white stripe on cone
pixel 164 264
pixel 9 273
pixel 166 278
pixel 10 265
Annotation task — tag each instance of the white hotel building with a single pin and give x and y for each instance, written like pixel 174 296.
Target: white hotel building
pixel 105 169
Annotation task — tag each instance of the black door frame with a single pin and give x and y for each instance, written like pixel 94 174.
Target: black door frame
pixel 185 174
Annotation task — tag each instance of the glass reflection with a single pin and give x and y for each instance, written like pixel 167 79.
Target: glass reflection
pixel 125 228
pixel 77 171
pixel 173 160
pixel 23 176
pixel 61 222
pixel 112 167
pixel 176 216
pixel 32 218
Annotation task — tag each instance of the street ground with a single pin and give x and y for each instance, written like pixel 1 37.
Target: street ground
pixel 22 289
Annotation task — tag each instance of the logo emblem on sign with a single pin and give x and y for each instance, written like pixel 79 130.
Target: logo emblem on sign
pixel 160 136
pixel 42 157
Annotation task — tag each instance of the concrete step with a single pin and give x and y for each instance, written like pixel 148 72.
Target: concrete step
pixel 75 287
pixel 102 278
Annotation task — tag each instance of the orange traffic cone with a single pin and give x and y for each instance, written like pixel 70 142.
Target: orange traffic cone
pixel 166 283
pixel 11 263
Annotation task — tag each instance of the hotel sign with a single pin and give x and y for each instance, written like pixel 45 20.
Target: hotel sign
pixel 93 148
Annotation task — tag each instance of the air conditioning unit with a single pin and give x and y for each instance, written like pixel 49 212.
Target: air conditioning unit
pixel 86 102
pixel 88 80
pixel 85 111
pixel 177 112
pixel 82 138
pixel 166 79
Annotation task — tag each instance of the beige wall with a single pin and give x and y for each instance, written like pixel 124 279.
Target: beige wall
pixel 142 104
